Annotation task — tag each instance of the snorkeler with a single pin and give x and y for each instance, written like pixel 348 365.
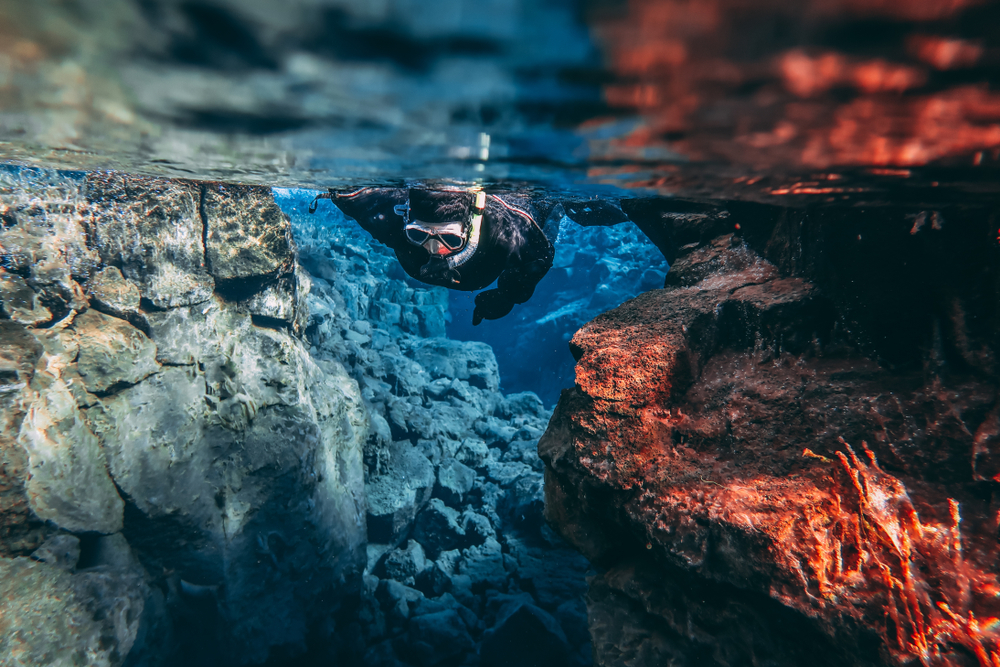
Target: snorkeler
pixel 466 239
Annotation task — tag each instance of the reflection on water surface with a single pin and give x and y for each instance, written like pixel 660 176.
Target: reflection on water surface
pixel 719 98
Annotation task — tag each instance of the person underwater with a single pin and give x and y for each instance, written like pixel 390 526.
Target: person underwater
pixel 465 239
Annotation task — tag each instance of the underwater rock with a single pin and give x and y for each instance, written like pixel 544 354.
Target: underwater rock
pixel 255 460
pixel 247 234
pixel 757 488
pixel 455 479
pixel 51 617
pixel 525 636
pixel 395 497
pixel 439 528
pixel 62 551
pixel 20 302
pixel 473 362
pixel 152 229
pixel 436 637
pixel 238 456
pixel 358 318
pixel 45 240
pixel 404 565
pixel 22 530
pixel 67 480
pixel 112 352
pixel 113 293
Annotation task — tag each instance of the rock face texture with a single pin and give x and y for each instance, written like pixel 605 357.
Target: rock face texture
pixel 159 411
pixel 785 456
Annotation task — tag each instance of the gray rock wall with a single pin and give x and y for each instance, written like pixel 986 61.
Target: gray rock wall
pixel 153 390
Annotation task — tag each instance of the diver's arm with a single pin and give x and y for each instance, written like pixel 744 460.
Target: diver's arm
pixel 516 283
pixel 374 210
pixel 594 212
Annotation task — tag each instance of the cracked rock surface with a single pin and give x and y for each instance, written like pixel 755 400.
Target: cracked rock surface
pixel 169 420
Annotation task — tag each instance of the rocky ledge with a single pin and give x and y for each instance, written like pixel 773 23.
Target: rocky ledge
pixel 788 455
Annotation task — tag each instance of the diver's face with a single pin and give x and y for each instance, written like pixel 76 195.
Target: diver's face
pixel 437 238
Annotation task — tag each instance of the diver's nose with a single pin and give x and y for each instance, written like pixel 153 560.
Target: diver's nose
pixel 435 247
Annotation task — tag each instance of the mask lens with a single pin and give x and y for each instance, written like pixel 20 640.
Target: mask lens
pixel 416 236
pixel 451 241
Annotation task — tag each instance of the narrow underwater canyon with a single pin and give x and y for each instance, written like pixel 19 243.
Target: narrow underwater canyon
pixel 234 434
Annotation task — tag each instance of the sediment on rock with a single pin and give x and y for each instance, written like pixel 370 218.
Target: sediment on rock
pixel 764 477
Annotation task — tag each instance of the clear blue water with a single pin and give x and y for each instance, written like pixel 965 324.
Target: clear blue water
pixel 595 269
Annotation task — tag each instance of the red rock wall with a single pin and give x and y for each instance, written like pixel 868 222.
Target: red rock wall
pixel 762 486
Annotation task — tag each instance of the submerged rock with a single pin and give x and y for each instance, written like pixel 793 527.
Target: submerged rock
pixel 152 229
pixel 757 488
pixel 395 497
pixel 238 458
pixel 112 352
pixel 435 401
pixel 51 617
pixel 113 293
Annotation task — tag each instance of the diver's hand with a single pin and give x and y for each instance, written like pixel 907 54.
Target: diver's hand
pixel 437 272
pixel 490 305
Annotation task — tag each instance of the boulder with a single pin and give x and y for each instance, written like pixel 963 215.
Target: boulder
pixel 24 531
pixel 20 302
pixel 484 565
pixel 473 452
pixel 439 529
pixel 404 565
pixel 524 503
pixel 51 617
pixel 438 637
pixel 238 454
pixel 433 581
pixel 152 229
pixel 247 234
pixel 397 600
pixel 505 473
pixel 61 551
pixel 113 293
pixel 112 352
pixel 454 481
pixel 67 479
pixel 554 573
pixel 735 457
pixel 522 404
pixel 463 360
pixel 45 240
pixel 395 497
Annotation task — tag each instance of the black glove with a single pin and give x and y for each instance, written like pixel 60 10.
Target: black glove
pixel 490 305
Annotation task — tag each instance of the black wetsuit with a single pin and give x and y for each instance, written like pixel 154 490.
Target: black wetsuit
pixel 515 246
